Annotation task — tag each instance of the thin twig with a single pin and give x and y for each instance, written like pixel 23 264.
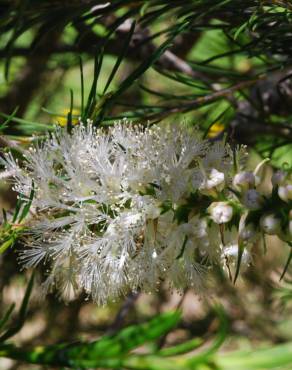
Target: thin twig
pixel 126 307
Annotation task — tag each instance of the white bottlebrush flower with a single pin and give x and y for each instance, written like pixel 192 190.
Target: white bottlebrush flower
pixel 98 201
pixel 118 209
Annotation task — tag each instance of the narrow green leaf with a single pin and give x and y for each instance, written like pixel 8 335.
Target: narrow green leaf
pixel 69 115
pixel 151 362
pixel 17 208
pixel 277 357
pixel 238 263
pixel 9 119
pixel 182 248
pixel 27 205
pixel 6 244
pixel 25 301
pixel 240 29
pixel 4 214
pixel 287 264
pixel 182 348
pixel 16 33
pixel 126 340
pixel 35 125
pixel 17 325
pixel 81 85
pixel 91 100
pixel 120 57
pixel 7 315
pixel 143 67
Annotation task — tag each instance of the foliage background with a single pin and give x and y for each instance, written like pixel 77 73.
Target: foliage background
pixel 224 66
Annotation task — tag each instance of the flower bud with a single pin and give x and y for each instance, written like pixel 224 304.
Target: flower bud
pixel 278 178
pixel 270 224
pixel 231 252
pixel 244 180
pixel 213 183
pixel 154 254
pixel 285 192
pixel 220 212
pixel 252 199
pixel 152 211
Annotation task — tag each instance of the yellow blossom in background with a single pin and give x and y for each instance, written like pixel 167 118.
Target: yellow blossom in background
pixel 215 129
pixel 62 118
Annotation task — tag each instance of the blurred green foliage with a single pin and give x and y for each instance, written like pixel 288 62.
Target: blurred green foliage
pixel 115 351
pixel 211 61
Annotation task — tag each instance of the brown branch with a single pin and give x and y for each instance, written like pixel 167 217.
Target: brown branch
pixel 127 306
pixel 204 100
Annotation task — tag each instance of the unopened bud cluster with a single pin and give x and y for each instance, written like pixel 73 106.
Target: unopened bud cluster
pixel 128 208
